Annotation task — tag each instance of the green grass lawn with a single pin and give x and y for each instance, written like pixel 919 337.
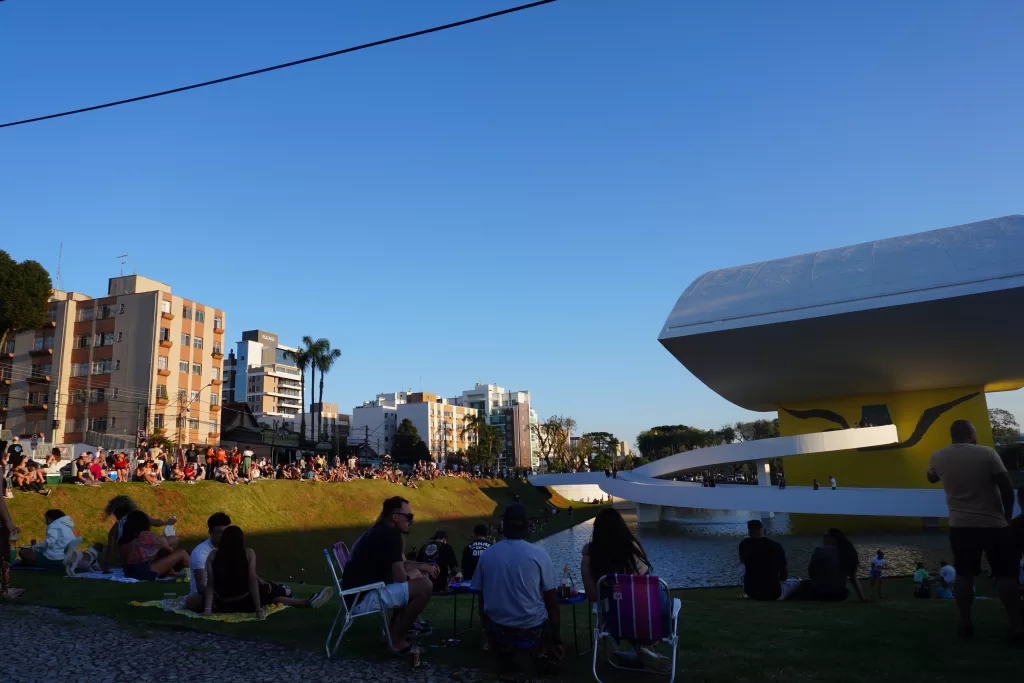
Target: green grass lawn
pixel 289 523
pixel 723 638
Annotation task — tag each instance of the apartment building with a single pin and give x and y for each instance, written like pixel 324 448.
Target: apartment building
pixel 442 425
pixel 510 411
pixel 139 358
pixel 264 376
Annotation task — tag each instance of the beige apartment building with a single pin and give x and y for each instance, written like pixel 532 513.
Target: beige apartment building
pixel 139 358
pixel 441 425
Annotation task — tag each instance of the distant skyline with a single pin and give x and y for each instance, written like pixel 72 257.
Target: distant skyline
pixel 518 202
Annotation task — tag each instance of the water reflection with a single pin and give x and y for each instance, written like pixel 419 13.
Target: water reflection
pixel 699 548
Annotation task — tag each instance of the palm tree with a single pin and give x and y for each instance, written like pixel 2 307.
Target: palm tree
pixel 325 359
pixel 302 359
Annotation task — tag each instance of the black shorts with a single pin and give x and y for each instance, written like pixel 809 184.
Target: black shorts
pixel 268 593
pixel 997 543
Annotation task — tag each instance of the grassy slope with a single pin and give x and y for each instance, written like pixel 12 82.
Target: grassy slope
pixel 289 523
pixel 723 638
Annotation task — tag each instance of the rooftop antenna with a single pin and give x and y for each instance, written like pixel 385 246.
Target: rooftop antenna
pixel 60 257
pixel 122 257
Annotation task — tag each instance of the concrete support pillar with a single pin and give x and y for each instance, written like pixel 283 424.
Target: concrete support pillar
pixel 648 514
pixel 764 478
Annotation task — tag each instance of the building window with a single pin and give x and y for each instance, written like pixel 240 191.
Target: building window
pixel 165 334
pixel 215 373
pixel 197 369
pixel 193 396
pixel 79 369
pixel 97 396
pixel 179 422
pixel 119 336
pixel 185 339
pixel 161 362
pixel 79 397
pixel 85 314
pixel 197 342
pixel 186 313
pixel 218 322
pixel 181 395
pixel 158 422
pixel 106 311
pixel 216 347
pixel 183 366
pixel 121 309
pixel 51 315
pixel 213 427
pixel 42 370
pixel 214 399
pixel 200 316
pixel 117 364
pixel 83 341
pixel 193 423
pixel 165 306
pixel 161 391
pixel 10 346
pixel 78 425
pixel 97 424
pixel 37 344
pixel 101 367
pixel 104 338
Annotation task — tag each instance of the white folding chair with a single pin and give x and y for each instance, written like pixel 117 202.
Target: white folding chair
pixel 630 610
pixel 345 615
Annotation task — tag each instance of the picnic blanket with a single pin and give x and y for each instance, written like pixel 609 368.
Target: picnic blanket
pixel 116 575
pixel 178 607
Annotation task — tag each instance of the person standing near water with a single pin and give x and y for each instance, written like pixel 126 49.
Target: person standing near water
pixel 832 482
pixel 876 573
pixel 979 495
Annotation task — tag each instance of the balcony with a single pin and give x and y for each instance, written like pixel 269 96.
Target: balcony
pixel 217 355
pixel 3 409
pixel 218 330
pixel 49 325
pixel 215 408
pixel 163 372
pixel 36 407
pixel 38 379
pixel 161 400
pixel 213 436
pixel 41 353
pixel 6 355
pixel 5 381
pixel 166 343
pixel 216 382
pixel 166 316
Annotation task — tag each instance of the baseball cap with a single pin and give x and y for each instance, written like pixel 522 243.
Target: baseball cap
pixel 440 534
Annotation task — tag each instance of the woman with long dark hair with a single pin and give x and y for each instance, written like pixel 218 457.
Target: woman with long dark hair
pixel 613 549
pixel 832 564
pixel 231 572
pixel 147 556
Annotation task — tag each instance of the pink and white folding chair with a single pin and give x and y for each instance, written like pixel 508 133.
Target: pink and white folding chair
pixel 345 615
pixel 630 611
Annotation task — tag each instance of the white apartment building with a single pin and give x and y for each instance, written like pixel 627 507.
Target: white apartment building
pixel 511 412
pixel 266 378
pixel 441 424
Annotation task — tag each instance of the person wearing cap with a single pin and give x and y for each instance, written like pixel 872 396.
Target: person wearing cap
pixel 473 551
pixel 436 551
pixel 516 581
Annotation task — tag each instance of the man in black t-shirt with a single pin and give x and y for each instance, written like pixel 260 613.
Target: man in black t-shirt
pixel 437 552
pixel 471 555
pixel 766 576
pixel 15 453
pixel 377 557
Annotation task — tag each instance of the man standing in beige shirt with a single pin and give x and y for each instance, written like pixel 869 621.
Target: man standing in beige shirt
pixel 979 495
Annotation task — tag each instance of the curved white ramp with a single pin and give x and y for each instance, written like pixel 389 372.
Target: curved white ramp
pixel 642 486
pixel 769 449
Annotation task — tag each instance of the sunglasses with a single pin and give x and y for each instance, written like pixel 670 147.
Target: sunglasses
pixel 407 515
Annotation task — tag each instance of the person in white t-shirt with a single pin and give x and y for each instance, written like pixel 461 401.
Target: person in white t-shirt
pixel 878 565
pixel 216 524
pixel 947 574
pixel 832 482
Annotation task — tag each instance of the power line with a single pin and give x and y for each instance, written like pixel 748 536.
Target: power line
pixel 297 62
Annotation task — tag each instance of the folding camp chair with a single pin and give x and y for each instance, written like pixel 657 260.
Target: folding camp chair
pixel 630 610
pixel 345 615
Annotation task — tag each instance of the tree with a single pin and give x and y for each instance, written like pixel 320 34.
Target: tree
pixel 406 439
pixel 757 429
pixel 24 290
pixel 325 359
pixel 1005 430
pixel 601 463
pixel 666 440
pixel 158 439
pixel 303 359
pixel 553 441
pixel 580 452
pixel 488 444
pixel 604 444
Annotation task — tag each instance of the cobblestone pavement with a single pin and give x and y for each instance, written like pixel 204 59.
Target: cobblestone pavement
pixel 45 645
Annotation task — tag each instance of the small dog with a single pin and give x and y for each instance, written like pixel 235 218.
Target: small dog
pixel 88 559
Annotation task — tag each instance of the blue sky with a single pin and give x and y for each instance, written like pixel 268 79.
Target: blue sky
pixel 519 201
